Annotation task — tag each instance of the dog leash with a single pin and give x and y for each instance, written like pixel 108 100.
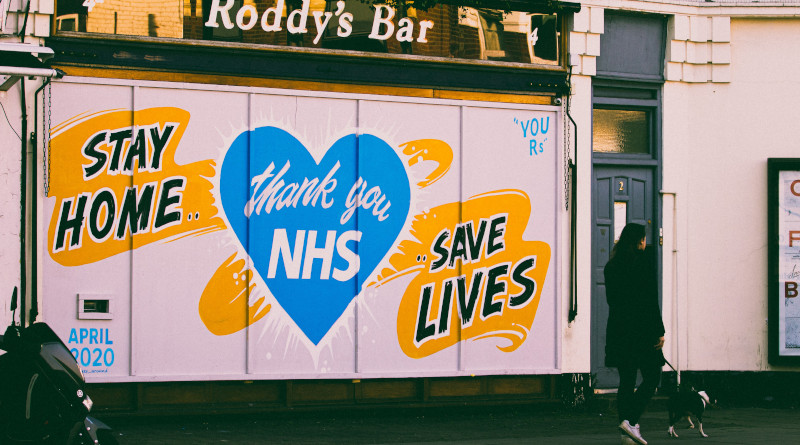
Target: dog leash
pixel 678 385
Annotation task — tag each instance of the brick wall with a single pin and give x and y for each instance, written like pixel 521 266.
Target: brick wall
pixel 137 17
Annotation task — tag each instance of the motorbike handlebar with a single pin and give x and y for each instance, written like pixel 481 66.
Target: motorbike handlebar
pixel 10 338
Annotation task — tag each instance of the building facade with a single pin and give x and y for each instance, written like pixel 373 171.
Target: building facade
pixel 287 203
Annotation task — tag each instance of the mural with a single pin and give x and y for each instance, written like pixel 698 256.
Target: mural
pixel 368 238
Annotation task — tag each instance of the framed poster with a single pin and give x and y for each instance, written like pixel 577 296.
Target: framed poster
pixel 784 260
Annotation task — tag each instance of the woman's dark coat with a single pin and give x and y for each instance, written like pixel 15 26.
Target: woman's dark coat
pixel 634 316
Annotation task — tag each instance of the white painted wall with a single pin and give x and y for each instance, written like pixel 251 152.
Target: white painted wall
pixel 718 132
pixel 576 344
pixel 37 27
pixel 717 138
pixel 9 199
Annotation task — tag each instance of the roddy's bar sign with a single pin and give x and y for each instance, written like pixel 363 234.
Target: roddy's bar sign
pixel 246 17
pixel 271 20
pixel 517 31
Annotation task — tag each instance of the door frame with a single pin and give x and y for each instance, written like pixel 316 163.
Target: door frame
pixel 638 96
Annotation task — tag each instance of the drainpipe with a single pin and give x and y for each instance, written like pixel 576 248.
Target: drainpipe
pixel 23 189
pixel 23 210
pixel 25 180
pixel 675 314
pixel 573 235
pixel 20 73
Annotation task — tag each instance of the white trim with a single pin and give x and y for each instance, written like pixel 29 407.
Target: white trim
pixel 14 73
pixel 698 7
pixel 23 71
pixel 146 378
pixel 41 52
pixel 305 93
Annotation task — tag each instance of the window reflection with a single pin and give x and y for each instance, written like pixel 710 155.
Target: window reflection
pixel 444 31
pixel 127 17
pixel 492 34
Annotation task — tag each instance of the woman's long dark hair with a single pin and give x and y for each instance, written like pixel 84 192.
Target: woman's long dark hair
pixel 629 239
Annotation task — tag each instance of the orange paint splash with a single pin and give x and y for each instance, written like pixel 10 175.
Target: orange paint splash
pixel 224 305
pixel 433 150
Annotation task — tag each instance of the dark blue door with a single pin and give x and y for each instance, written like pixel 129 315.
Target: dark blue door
pixel 621 195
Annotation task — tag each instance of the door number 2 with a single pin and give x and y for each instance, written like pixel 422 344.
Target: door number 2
pixel 621 186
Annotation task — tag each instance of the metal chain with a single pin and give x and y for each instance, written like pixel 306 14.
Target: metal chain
pixel 46 137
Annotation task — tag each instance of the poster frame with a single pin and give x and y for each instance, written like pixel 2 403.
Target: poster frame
pixel 774 323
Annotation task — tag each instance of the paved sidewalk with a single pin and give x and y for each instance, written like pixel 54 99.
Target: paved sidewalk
pixel 493 425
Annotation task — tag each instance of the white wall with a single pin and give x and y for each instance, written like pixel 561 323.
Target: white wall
pixel 576 345
pixel 9 199
pixel 717 138
pixel 718 132
pixel 36 28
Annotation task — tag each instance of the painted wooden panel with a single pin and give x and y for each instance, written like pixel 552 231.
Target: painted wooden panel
pixel 242 233
pixel 632 46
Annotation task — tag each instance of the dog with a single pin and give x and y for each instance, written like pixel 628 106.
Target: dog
pixel 687 404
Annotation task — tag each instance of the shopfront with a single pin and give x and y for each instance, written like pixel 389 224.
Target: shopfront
pixel 278 199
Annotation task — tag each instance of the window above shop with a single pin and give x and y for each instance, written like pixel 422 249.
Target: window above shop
pixel 516 31
pixel 620 131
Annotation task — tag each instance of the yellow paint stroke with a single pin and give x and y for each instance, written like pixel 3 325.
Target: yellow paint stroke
pixel 224 304
pixel 429 150
pixel 77 118
pixel 513 324
pixel 192 203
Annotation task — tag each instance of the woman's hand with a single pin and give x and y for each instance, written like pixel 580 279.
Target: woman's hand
pixel 660 343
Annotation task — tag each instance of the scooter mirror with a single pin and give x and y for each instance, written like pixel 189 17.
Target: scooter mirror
pixel 14 300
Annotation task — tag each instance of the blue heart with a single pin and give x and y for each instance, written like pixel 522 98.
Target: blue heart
pixel 313 250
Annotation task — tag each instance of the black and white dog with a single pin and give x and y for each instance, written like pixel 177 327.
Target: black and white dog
pixel 687 404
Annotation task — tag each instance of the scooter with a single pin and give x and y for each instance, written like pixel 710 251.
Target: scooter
pixel 43 396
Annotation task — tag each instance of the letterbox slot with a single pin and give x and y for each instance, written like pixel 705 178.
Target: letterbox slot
pixel 94 307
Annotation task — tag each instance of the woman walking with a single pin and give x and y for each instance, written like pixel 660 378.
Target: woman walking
pixel 635 331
